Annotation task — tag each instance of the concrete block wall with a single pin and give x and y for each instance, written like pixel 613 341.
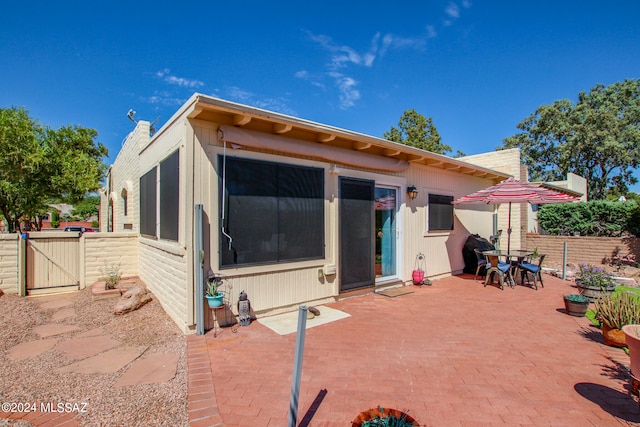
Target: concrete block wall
pixel 100 250
pixel 583 249
pixel 9 263
pixel 163 268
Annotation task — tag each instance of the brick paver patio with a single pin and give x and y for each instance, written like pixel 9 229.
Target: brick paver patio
pixel 451 354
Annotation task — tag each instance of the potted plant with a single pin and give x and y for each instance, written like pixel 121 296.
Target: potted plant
pixel 593 282
pixel 576 305
pixel 632 338
pixel 213 296
pixel 380 417
pixel 615 311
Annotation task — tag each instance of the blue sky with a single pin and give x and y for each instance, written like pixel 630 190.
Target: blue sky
pixel 477 68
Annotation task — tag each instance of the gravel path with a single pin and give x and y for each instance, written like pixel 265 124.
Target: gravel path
pixel 35 379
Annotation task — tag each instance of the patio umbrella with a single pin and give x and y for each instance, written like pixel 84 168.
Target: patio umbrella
pixel 513 191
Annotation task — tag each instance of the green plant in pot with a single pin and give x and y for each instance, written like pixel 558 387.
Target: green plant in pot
pixel 213 296
pixel 576 305
pixel 615 311
pixel 593 282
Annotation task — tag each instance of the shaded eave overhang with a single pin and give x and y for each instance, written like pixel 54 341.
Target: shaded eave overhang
pixel 558 188
pixel 210 109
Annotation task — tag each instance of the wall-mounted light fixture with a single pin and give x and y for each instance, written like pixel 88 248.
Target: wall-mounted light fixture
pixel 412 192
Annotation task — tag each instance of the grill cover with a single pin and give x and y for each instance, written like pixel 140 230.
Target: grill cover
pixel 474 241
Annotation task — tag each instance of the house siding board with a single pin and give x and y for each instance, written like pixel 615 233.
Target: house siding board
pixel 442 250
pixel 9 263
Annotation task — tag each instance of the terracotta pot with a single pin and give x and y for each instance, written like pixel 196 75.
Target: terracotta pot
pixel 613 337
pixel 632 338
pixel 372 413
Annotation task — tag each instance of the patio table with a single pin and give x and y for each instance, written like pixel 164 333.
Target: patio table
pixel 512 256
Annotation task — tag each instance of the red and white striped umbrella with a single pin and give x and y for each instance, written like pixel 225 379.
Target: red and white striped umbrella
pixel 513 191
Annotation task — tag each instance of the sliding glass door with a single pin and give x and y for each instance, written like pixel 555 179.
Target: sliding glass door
pixel 386 232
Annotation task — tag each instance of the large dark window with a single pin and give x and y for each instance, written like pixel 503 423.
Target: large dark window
pixel 169 196
pixel 148 199
pixel 272 212
pixel 440 212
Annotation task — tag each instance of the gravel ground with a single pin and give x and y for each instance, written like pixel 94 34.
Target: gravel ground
pixel 35 379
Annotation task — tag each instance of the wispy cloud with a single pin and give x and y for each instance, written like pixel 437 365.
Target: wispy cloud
pixel 162 98
pixel 343 60
pixel 452 11
pixel 169 78
pixel 348 92
pixel 243 96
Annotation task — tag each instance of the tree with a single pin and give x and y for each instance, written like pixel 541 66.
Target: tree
pixel 86 207
pixel 38 164
pixel 598 138
pixel 416 130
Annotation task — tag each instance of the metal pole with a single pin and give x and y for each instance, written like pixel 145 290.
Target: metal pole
pixel 198 266
pixel 564 262
pixel 297 366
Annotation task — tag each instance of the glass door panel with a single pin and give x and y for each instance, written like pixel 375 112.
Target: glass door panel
pixel 386 232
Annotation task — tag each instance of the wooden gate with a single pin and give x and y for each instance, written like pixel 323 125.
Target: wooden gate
pixel 52 261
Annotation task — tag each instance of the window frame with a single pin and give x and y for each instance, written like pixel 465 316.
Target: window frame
pixel 273 188
pixel 437 228
pixel 149 203
pixel 169 197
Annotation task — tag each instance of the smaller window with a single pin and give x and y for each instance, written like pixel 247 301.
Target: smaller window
pixel 124 201
pixel 440 212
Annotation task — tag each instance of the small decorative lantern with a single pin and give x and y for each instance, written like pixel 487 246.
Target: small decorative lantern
pixel 244 309
pixel 412 191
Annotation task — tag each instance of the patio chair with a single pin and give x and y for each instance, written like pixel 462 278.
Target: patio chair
pixel 495 266
pixel 482 262
pixel 535 270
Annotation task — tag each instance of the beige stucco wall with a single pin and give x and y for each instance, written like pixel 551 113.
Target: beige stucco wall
pixel 287 285
pixel 99 251
pixel 9 263
pixel 167 267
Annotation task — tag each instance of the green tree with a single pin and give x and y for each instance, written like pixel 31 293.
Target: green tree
pixel 86 207
pixel 598 138
pixel 39 164
pixel 416 130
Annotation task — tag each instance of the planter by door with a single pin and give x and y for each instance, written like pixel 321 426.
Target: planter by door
pixel 613 337
pixel 576 305
pixel 593 292
pixel 632 337
pixel 215 301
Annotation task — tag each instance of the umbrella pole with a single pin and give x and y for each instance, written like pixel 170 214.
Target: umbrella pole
pixel 509 230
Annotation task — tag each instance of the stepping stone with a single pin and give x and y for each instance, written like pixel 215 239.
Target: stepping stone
pixel 27 350
pixel 63 314
pixel 52 329
pixel 81 348
pixel 92 332
pixel 53 304
pixel 105 363
pixel 150 369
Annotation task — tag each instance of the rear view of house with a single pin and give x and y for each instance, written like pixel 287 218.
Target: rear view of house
pixel 292 211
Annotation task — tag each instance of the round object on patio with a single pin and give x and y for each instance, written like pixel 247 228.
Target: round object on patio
pixel 576 305
pixel 613 337
pixel 383 414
